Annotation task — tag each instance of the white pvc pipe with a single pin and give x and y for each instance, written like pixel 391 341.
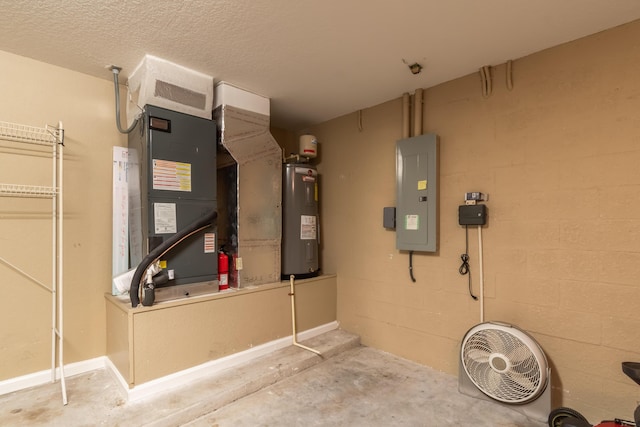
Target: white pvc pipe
pixel 481 274
pixel 293 319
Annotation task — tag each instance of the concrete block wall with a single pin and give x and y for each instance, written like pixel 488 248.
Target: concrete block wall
pixel 559 156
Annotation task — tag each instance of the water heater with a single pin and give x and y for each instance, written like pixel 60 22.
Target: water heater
pixel 300 237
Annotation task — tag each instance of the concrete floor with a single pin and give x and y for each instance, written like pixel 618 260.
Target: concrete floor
pixel 352 385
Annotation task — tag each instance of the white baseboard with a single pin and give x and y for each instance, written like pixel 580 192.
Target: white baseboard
pixel 186 376
pixel 161 384
pixel 44 377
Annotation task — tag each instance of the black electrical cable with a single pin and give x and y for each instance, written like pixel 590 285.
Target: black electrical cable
pixel 411 266
pixel 464 268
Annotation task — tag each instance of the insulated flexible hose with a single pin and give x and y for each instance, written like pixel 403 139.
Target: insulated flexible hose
pixel 197 225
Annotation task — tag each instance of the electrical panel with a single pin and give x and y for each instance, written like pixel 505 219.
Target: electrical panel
pixel 417 193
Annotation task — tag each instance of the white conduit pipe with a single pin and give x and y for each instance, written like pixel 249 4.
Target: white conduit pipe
pixel 293 319
pixel 417 113
pixel 485 77
pixel 405 116
pixel 509 74
pixel 481 274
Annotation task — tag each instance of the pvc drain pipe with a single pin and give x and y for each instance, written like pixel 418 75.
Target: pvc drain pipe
pixel 293 319
pixel 480 262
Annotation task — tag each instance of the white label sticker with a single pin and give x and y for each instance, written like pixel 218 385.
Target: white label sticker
pixel 411 222
pixel 308 175
pixel 120 211
pixel 307 227
pixel 164 218
pixel 172 176
pixel 209 243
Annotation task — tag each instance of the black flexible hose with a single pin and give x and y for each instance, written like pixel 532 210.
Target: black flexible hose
pixel 163 248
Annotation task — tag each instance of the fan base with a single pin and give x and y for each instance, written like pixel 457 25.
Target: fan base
pixel 538 409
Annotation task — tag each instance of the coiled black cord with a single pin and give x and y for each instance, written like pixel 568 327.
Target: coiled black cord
pixel 464 268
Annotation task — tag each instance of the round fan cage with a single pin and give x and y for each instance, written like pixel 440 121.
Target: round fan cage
pixel 504 363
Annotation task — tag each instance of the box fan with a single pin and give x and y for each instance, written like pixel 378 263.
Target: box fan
pixel 503 364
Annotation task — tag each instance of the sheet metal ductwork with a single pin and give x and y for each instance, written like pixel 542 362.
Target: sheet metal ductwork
pixel 251 182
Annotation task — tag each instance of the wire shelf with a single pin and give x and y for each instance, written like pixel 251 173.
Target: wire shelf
pixel 53 137
pixel 17 190
pixel 32 135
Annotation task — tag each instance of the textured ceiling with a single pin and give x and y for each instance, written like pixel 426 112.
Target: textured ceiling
pixel 316 60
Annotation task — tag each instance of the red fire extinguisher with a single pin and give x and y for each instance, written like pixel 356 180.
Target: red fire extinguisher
pixel 223 270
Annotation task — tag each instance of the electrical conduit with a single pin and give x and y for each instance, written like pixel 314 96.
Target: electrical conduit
pixel 416 131
pixel 417 113
pixel 116 71
pixel 406 123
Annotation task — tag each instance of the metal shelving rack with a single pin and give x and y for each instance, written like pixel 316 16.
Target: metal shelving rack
pixel 52 137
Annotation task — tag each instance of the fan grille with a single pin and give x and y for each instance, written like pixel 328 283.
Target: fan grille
pixel 502 366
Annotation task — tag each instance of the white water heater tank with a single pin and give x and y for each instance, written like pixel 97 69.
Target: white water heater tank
pixel 308 146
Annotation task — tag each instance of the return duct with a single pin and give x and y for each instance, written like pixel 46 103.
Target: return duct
pixel 250 186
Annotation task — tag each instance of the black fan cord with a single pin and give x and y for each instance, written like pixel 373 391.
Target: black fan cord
pixel 464 268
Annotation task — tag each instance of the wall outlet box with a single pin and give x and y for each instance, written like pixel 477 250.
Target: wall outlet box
pixel 389 217
pixel 472 214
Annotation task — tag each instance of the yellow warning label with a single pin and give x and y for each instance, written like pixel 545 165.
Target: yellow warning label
pixel 172 176
pixel 422 185
pixel 163 264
